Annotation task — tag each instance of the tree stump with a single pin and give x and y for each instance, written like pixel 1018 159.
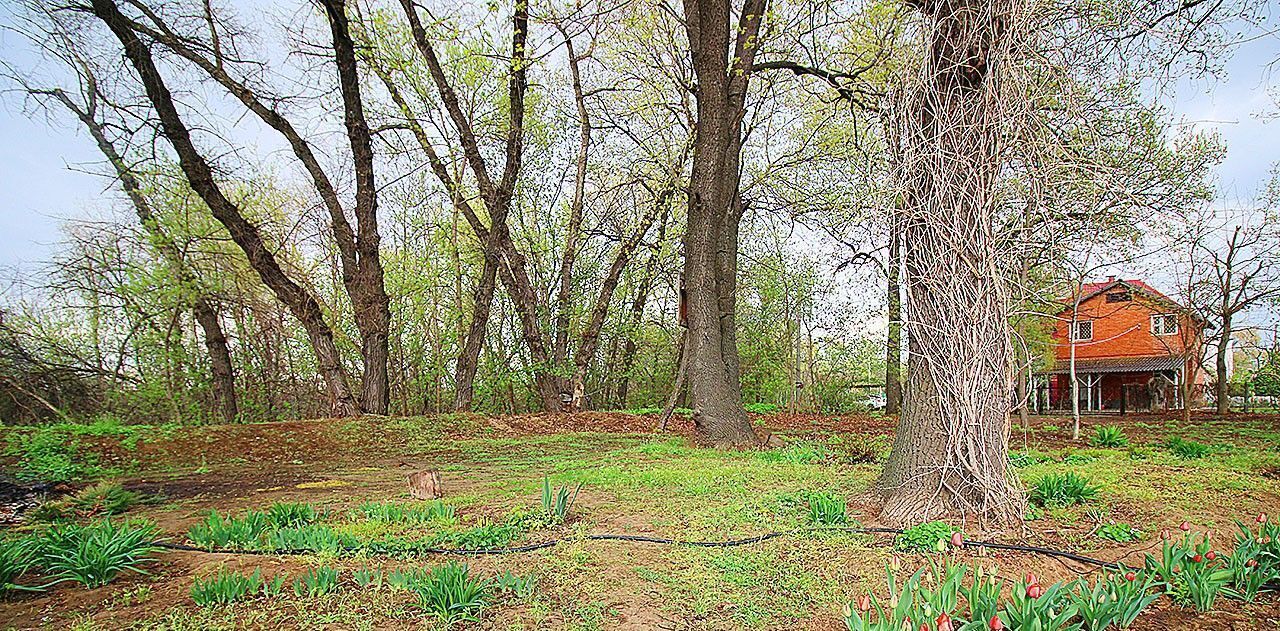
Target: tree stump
pixel 425 485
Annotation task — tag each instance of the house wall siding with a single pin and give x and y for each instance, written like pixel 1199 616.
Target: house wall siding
pixel 1122 329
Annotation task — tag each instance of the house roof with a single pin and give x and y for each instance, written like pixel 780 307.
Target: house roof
pixel 1116 364
pixel 1091 290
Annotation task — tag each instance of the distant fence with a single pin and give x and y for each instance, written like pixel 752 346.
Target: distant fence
pixel 1049 398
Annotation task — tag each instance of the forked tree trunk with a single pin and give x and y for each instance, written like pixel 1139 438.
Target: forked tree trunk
pixel 243 232
pixel 714 210
pixel 950 453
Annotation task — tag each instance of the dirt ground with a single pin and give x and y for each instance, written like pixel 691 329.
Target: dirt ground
pixel 638 481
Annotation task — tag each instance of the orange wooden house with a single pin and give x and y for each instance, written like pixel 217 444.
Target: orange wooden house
pixel 1133 347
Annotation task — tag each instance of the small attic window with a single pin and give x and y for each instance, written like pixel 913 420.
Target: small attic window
pixel 1119 296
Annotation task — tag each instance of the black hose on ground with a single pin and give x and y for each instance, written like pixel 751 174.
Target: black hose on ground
pixel 729 543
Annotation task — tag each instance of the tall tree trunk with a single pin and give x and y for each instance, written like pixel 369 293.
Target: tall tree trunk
pixel 893 345
pixel 300 302
pixel 469 358
pixel 1220 386
pixel 714 210
pixel 371 305
pixel 950 452
pixel 215 340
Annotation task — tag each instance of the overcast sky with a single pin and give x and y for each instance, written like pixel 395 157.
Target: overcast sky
pixel 43 163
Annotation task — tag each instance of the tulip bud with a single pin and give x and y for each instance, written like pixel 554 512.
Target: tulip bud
pixel 1251 563
pixel 895 563
pixel 1262 518
pixel 1197 558
pixel 848 613
pixel 957 539
pixel 1211 555
pixel 1032 580
pixel 1184 526
pixel 995 624
pixel 944 623
pixel 1164 534
pixel 1129 576
pixel 864 602
pixel 1034 592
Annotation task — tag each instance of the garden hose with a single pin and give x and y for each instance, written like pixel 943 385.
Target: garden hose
pixel 728 543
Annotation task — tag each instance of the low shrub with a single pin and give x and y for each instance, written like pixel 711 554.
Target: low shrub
pixel 16 557
pixel 827 509
pixel 228 586
pixel 220 533
pixel 310 538
pixel 556 506
pixel 802 452
pixel 395 512
pixel 450 593
pixel 104 499
pixel 291 515
pixel 49 455
pixel 1063 489
pixel 1120 533
pixel 316 582
pixel 1109 436
pixel 1188 449
pixel 1114 600
pixel 761 408
pixel 927 537
pixel 93 555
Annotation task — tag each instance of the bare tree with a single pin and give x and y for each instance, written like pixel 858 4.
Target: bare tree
pixel 246 235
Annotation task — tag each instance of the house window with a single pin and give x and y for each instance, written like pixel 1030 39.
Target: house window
pixel 1082 330
pixel 1119 296
pixel 1164 324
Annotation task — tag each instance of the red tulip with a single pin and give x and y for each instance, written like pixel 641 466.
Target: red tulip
pixel 1211 555
pixel 1034 592
pixel 1032 580
pixel 924 626
pixel 1262 518
pixel 1251 563
pixel 957 539
pixel 864 602
pixel 944 623
pixel 1184 526
pixel 1197 558
pixel 1164 534
pixel 1129 576
pixel 995 624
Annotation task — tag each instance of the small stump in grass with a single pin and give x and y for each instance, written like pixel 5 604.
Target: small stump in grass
pixel 425 485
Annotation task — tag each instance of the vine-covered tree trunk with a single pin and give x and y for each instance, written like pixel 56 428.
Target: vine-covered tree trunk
pixel 893 345
pixel 951 448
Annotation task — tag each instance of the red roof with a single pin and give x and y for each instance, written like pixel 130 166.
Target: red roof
pixel 1089 289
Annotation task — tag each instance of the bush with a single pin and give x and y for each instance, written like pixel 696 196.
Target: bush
pixel 93 555
pixel 1109 436
pixel 1188 449
pixel 827 510
pixel 16 557
pixel 226 587
pixel 450 593
pixel 100 500
pixel 1120 533
pixel 1115 600
pixel 761 408
pixel 796 453
pixel 316 582
pixel 219 533
pixel 1063 489
pixel 48 455
pixel 392 512
pixel 556 507
pixel 927 537
pixel 290 515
